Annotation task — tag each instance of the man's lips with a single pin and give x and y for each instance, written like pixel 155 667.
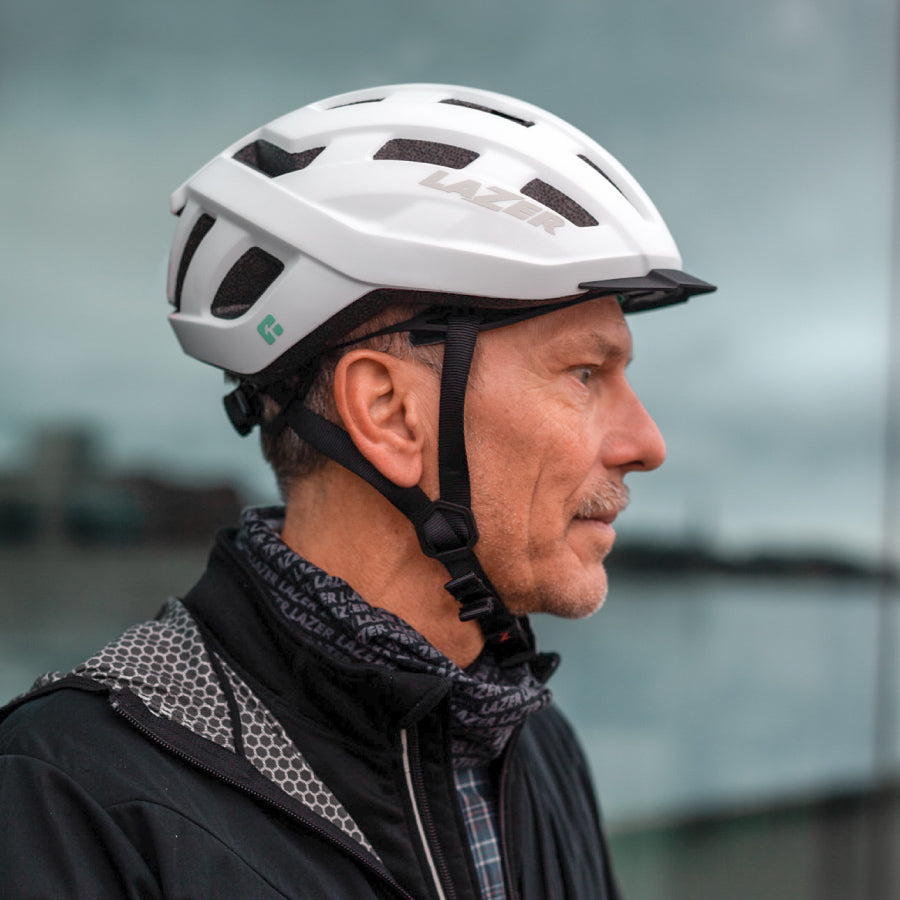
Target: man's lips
pixel 599 524
pixel 606 517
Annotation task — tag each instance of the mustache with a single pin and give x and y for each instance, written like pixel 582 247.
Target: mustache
pixel 604 499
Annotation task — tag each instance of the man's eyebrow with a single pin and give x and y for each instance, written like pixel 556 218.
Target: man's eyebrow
pixel 612 350
pixel 576 347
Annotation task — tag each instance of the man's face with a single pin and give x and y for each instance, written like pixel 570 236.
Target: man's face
pixel 552 428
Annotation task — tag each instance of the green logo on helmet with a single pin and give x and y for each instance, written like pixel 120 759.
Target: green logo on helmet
pixel 269 329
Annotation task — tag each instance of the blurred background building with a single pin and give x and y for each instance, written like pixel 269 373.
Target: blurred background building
pixel 739 694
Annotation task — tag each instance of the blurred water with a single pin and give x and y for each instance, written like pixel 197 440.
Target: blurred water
pixel 695 694
pixel 690 694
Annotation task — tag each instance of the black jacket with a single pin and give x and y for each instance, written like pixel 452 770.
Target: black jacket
pixel 212 753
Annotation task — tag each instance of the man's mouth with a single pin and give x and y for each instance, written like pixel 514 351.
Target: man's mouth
pixel 607 518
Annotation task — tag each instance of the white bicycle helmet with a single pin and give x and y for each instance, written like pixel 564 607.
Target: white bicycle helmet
pixel 485 208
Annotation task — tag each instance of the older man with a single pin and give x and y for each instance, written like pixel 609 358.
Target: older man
pixel 420 292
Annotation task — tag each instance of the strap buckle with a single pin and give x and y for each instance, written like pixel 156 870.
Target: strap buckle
pixel 511 639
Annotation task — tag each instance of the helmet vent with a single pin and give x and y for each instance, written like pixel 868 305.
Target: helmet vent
pixel 198 232
pixel 559 202
pixel 427 152
pixel 597 168
pixel 246 281
pixel 272 160
pixel 487 109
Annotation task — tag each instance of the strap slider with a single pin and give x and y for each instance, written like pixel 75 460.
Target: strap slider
pixel 447 531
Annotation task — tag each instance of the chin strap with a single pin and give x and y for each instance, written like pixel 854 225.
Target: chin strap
pixel 445 527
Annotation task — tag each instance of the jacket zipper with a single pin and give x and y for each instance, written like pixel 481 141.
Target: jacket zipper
pixel 511 892
pixel 415 784
pixel 182 754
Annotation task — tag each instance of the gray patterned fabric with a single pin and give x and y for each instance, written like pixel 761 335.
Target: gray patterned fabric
pixel 487 702
pixel 166 664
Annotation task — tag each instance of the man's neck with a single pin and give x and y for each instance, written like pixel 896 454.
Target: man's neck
pixel 347 529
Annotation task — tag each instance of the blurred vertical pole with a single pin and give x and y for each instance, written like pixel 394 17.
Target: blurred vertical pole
pixel 883 838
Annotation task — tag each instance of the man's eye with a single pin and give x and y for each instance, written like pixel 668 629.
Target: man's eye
pixel 583 374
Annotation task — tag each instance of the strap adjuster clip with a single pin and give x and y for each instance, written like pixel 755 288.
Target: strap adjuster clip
pixel 474 598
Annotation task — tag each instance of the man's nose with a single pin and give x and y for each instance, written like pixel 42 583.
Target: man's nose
pixel 635 443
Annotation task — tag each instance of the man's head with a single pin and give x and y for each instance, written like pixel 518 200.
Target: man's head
pixel 480 222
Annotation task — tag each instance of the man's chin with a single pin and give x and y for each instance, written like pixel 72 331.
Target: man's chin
pixel 565 599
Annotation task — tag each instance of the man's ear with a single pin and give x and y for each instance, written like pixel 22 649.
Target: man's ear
pixel 380 408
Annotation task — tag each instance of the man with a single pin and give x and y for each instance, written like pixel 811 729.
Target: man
pixel 420 293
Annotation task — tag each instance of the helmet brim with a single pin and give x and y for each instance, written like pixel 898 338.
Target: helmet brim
pixel 659 287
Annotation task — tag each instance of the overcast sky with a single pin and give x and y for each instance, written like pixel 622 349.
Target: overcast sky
pixel 763 132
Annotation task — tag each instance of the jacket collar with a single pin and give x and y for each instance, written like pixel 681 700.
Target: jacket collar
pixel 293 673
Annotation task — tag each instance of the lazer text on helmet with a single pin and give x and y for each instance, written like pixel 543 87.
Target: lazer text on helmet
pixel 497 200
